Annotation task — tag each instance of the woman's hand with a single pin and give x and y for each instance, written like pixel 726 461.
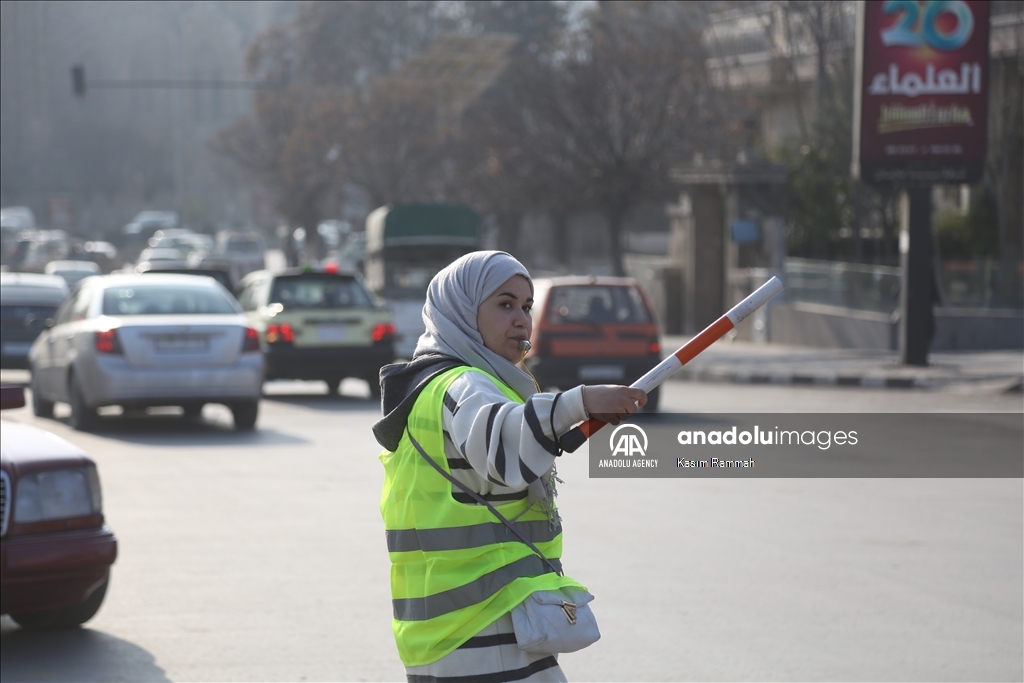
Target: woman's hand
pixel 612 403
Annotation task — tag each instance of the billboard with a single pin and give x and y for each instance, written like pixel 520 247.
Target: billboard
pixel 922 91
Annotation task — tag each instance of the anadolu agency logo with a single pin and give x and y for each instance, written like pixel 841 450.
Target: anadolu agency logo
pixel 628 445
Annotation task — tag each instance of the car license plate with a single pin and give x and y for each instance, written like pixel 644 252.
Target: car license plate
pixel 331 333
pixel 17 348
pixel 182 344
pixel 602 372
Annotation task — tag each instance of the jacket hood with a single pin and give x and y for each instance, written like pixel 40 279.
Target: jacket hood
pixel 400 386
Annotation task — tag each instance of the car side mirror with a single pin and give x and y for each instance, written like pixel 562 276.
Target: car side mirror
pixel 12 397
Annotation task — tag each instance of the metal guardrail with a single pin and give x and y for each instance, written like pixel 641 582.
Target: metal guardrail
pixel 847 285
pixel 980 283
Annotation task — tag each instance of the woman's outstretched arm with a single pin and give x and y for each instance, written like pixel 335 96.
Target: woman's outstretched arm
pixel 511 444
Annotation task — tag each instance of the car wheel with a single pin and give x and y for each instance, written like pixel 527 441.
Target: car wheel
pixel 333 384
pixel 193 410
pixel 41 407
pixel 64 617
pixel 245 414
pixel 653 398
pixel 83 418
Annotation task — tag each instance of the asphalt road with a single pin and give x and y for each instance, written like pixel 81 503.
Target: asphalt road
pixel 260 557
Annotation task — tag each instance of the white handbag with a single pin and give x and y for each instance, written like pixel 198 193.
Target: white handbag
pixel 548 622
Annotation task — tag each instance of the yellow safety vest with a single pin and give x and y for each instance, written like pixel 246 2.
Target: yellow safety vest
pixel 455 568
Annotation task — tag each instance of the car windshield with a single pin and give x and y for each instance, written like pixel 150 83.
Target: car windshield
pixel 166 300
pixel 319 291
pixel 597 304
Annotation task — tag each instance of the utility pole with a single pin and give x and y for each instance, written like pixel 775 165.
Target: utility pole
pixel 917 292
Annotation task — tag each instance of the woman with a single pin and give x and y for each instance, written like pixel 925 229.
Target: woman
pixel 465 405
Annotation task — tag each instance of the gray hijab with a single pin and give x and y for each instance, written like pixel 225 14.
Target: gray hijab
pixel 449 314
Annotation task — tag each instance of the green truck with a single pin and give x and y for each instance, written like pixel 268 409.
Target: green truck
pixel 406 245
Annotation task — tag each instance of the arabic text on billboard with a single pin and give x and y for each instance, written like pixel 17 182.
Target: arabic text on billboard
pixel 923 99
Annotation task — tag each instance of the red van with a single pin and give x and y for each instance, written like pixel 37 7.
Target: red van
pixel 592 330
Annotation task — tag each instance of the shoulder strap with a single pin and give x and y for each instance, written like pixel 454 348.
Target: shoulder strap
pixel 480 499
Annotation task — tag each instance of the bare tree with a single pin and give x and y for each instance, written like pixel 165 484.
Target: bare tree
pixel 331 120
pixel 393 142
pixel 508 162
pixel 600 122
pixel 592 121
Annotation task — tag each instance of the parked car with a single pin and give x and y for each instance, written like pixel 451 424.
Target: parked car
pixel 318 325
pixel 72 271
pixel 592 330
pixel 27 301
pixel 147 340
pixel 57 549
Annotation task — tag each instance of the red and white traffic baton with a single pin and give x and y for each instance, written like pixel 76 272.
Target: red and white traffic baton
pixel 577 436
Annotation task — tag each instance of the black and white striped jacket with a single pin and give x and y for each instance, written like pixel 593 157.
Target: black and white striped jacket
pixel 498 447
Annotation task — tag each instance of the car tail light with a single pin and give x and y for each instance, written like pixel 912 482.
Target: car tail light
pixel 383 332
pixel 107 342
pixel 251 341
pixel 280 333
pixel 655 346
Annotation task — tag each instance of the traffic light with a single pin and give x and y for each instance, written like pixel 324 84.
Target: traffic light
pixel 78 80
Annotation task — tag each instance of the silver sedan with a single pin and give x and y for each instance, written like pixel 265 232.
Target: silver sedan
pixel 147 340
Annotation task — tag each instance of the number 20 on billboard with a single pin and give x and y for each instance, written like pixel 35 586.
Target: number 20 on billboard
pixel 915 28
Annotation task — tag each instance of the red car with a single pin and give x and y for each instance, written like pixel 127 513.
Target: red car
pixel 55 548
pixel 592 330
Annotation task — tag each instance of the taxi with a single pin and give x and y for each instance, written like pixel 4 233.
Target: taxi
pixel 318 324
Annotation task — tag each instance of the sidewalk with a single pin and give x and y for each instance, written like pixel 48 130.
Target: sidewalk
pixel 747 362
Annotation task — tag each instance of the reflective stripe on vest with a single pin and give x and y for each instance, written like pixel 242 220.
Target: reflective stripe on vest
pixel 431 606
pixel 459 538
pixel 454 567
